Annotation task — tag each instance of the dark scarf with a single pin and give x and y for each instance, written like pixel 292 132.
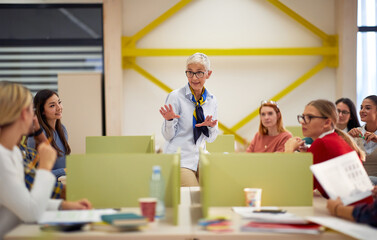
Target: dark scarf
pixel 199 115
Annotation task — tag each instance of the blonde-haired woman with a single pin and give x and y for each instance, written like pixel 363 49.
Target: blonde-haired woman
pixel 17 204
pixel 318 122
pixel 272 134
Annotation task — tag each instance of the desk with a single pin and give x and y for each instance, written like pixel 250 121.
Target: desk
pixel 187 228
pixel 318 209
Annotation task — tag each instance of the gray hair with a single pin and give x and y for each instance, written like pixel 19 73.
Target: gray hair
pixel 199 58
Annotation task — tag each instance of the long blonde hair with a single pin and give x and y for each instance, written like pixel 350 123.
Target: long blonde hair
pixel 13 98
pixel 328 109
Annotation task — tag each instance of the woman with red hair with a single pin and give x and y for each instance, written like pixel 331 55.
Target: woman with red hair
pixel 272 135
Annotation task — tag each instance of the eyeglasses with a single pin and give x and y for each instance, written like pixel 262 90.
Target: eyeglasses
pixel 307 118
pixel 269 102
pixel 191 74
pixel 344 112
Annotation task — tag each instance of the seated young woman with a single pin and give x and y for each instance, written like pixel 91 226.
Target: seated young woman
pixel 318 122
pixel 17 203
pixel 366 136
pixel 49 111
pixel 347 115
pixel 272 135
pixel 368 132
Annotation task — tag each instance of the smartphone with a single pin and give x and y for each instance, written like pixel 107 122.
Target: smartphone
pixel 64 227
pixel 269 211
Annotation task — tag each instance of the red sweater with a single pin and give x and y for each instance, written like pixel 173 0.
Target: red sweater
pixel 328 147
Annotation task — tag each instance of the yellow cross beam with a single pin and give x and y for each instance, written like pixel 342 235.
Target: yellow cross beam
pixel 146 52
pixel 317 68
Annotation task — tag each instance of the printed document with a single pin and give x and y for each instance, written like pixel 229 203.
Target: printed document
pixel 344 177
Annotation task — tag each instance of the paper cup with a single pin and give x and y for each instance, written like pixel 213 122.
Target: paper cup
pixel 148 208
pixel 253 197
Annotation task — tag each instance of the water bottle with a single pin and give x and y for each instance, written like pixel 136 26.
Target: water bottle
pixel 157 190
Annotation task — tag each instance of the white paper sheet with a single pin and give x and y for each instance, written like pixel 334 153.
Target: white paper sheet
pixel 247 212
pixel 343 177
pixel 74 216
pixel 356 230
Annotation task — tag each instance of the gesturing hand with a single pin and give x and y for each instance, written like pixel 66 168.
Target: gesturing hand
pixel 355 132
pixel 207 122
pixel 369 136
pixel 168 112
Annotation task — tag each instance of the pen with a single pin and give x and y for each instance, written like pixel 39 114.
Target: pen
pixel 269 211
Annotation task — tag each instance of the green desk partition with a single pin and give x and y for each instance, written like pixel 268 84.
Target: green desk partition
pixel 223 143
pixel 295 130
pixel 119 180
pixel 120 144
pixel 285 178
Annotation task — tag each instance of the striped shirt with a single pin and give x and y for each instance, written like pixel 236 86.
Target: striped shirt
pixel 28 154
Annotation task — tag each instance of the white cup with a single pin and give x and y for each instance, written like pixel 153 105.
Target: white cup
pixel 253 197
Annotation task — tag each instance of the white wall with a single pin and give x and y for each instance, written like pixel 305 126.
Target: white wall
pixel 239 83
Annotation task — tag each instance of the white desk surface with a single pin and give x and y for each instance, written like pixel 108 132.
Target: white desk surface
pixel 187 228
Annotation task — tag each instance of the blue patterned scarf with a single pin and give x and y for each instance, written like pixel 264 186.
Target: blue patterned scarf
pixel 198 115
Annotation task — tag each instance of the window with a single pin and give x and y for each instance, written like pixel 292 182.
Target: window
pixel 366 50
pixel 49 39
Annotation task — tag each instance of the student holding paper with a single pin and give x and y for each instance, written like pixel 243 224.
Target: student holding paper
pixel 362 213
pixel 272 135
pixel 190 118
pixel 318 122
pixel 17 203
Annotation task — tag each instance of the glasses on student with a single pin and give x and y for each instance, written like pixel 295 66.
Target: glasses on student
pixel 190 74
pixel 269 102
pixel 307 118
pixel 344 112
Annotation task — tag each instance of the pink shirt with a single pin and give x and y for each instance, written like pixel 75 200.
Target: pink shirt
pixel 265 143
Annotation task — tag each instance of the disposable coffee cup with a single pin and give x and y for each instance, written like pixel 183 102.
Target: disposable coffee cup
pixel 253 197
pixel 148 208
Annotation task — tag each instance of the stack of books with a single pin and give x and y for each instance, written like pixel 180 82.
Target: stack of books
pixel 309 228
pixel 273 219
pixel 120 222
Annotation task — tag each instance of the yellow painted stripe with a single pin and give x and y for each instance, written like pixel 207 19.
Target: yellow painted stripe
pixel 284 92
pixel 149 76
pixel 300 19
pixel 323 51
pixel 155 23
pixel 227 130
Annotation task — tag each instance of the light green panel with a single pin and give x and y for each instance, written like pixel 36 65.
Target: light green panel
pixel 119 180
pixel 120 144
pixel 285 178
pixel 295 130
pixel 223 143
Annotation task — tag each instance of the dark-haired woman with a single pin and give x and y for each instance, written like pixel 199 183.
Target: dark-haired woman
pixel 49 111
pixel 366 136
pixel 347 115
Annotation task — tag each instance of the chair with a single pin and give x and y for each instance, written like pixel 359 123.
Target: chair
pixel 120 144
pixel 223 143
pixel 295 130
pixel 285 178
